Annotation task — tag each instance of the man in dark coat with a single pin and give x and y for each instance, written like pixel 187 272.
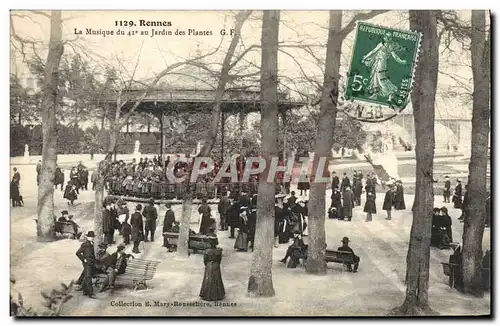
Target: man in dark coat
pixel 168 222
pixel 279 220
pixel 347 203
pixel 222 207
pixel 93 179
pixel 457 277
pixel 116 264
pixel 292 200
pixel 345 247
pixel 399 199
pixel 151 216
pixel 59 178
pixel 345 182
pixel 233 217
pixel 84 178
pixel 108 221
pixel 14 194
pixel 252 224
pixel 358 189
pixel 137 234
pixel 87 257
pixel 447 189
pixel 335 180
pixel 370 207
pixel 465 203
pixel 244 199
pixel 457 196
pixel 388 201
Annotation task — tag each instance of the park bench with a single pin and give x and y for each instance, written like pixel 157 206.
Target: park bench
pixel 136 274
pixel 449 270
pixel 197 242
pixel 340 257
pixel 64 228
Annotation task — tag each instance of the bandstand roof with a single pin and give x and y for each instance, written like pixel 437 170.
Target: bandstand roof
pixel 193 89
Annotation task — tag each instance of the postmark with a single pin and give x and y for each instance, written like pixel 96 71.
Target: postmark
pixel 382 67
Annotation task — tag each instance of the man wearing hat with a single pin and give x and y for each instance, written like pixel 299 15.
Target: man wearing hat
pixel 345 247
pixel 108 220
pixel 223 207
pixel 87 256
pixel 151 216
pixel 457 196
pixel 447 189
pixel 116 264
pixel 64 216
pixel 168 223
pixel 137 233
pixel 388 200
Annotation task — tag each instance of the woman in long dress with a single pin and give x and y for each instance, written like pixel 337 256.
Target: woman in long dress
pixel 241 243
pixel 212 287
pixel 376 60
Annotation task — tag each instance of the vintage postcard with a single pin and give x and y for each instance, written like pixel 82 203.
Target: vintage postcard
pixel 250 163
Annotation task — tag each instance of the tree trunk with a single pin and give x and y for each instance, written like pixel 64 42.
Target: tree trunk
pixel 187 205
pixel 103 170
pixel 45 208
pixel 211 138
pixel 324 141
pixel 260 283
pixel 423 101
pixel 476 208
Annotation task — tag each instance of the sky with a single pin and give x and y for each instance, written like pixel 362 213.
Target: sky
pixel 155 53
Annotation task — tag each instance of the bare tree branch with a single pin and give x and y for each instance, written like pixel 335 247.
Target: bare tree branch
pixel 359 16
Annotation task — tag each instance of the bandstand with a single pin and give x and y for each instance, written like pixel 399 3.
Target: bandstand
pixel 187 94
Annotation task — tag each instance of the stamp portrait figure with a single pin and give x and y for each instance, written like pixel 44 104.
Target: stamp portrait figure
pixel 376 60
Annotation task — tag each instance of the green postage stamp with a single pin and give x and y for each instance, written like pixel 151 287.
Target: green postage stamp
pixel 382 65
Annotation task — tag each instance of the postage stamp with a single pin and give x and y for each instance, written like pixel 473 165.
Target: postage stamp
pixel 382 65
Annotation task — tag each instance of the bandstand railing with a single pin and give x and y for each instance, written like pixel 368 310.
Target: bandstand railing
pixel 174 193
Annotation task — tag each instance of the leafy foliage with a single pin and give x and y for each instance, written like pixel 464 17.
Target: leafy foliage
pixel 54 301
pixel 24 107
pixel 301 133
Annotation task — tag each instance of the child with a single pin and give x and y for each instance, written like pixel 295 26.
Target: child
pixel 126 230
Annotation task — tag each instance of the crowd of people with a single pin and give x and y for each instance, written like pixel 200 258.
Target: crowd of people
pixel 148 178
pixel 346 196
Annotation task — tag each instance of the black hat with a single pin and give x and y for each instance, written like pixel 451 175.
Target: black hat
pixel 138 207
pixel 152 200
pixel 121 246
pixel 345 240
pixel 64 212
pixel 103 245
pixel 90 234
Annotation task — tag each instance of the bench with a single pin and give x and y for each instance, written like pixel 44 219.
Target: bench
pixel 197 242
pixel 449 270
pixel 63 228
pixel 340 257
pixel 136 274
